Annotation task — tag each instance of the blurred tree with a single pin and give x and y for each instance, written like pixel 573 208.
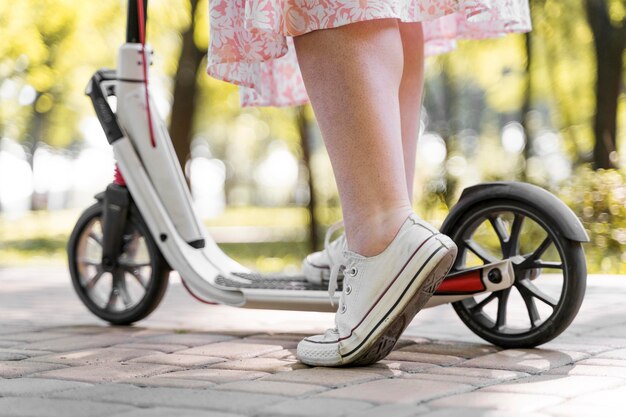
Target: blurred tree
pixel 47 50
pixel 304 126
pixel 185 89
pixel 607 19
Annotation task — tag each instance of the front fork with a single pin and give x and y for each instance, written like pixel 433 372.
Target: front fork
pixel 115 209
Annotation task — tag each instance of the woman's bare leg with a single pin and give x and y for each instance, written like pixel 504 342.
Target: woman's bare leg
pixel 411 89
pixel 352 75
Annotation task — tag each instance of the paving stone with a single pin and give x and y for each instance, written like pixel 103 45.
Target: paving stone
pixel 218 376
pixel 590 370
pixel 93 392
pixel 107 372
pixel 9 356
pixel 79 329
pixel 597 361
pixel 25 337
pixel 12 328
pixel 452 348
pixel 613 354
pixel 153 347
pixel 563 386
pixel 231 401
pixel 612 342
pixel 139 333
pixel 576 409
pixel 188 339
pixel 400 366
pixel 531 361
pixel 16 369
pixel 281 354
pixel 261 364
pixel 282 343
pixel 49 407
pixel 617 330
pixel 575 346
pixel 170 412
pixel 461 379
pixel 398 390
pixel 231 350
pixel 520 403
pixel 478 412
pixel 330 377
pixel 93 356
pixel 273 387
pixel 174 359
pixel 80 342
pixel 604 400
pixel 391 410
pixel 34 386
pixel 158 381
pixel 293 337
pixel 25 352
pixel 407 356
pixel 313 407
pixel 491 374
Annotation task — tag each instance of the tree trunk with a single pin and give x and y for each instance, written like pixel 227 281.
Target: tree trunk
pixel 185 92
pixel 305 143
pixel 527 105
pixel 609 43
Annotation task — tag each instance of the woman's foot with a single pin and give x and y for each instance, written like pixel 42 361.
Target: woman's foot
pixel 381 294
pixel 317 266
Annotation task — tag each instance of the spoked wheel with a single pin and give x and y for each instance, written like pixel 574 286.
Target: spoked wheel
pixel 133 286
pixel 550 274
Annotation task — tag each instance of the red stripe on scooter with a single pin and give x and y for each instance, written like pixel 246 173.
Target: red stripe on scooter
pixel 142 39
pixel 194 295
pixel 468 283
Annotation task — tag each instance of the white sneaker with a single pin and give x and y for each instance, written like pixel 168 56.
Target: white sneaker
pixel 381 295
pixel 317 266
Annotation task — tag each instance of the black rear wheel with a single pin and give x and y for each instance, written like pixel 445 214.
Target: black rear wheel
pixel 550 273
pixel 138 280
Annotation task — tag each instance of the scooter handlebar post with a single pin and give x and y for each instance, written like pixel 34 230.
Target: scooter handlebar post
pixel 132 22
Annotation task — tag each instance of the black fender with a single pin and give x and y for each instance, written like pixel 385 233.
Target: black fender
pixel 556 212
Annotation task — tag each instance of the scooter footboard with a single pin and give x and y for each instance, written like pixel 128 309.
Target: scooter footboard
pixel 294 292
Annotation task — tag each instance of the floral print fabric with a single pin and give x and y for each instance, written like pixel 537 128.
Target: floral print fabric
pixel 250 40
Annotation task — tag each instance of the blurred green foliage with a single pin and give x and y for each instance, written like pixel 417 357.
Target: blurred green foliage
pixel 599 199
pixel 50 48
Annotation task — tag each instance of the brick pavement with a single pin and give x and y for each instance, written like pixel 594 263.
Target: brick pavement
pixel 188 359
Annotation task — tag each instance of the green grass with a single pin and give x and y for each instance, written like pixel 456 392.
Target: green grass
pixel 39 238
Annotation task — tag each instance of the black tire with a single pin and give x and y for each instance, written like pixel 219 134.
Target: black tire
pixel 552 252
pixel 138 281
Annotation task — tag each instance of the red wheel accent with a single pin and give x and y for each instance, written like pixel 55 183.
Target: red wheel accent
pixel 118 178
pixel 468 283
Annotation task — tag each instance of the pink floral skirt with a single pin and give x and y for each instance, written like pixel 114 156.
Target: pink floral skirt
pixel 251 46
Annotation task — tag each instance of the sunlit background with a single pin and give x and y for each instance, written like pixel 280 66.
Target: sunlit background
pixel 523 107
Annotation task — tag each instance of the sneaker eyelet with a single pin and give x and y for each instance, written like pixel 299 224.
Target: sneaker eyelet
pixel 343 309
pixel 348 289
pixel 353 271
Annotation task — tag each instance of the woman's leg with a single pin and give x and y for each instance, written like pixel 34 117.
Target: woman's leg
pixel 353 75
pixel 411 89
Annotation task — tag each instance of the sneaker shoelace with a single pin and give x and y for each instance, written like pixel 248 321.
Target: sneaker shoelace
pixel 335 264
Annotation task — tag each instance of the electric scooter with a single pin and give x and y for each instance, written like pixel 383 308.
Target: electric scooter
pixel 518 280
